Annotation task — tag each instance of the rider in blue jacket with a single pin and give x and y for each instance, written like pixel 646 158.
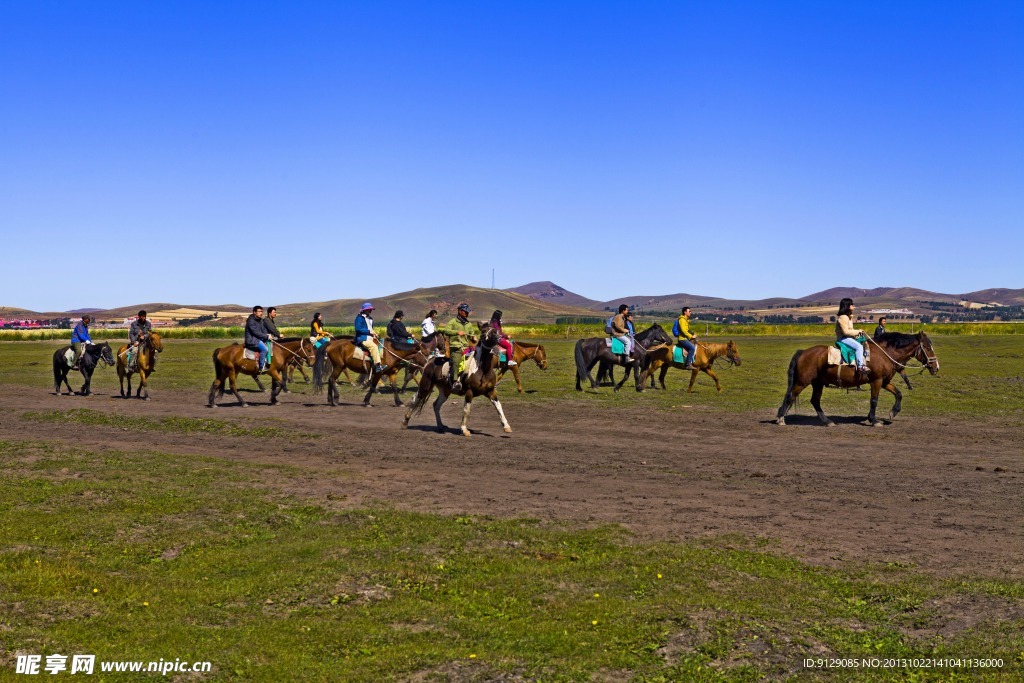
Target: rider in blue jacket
pixel 80 337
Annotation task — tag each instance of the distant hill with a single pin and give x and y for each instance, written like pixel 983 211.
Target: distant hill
pixel 550 292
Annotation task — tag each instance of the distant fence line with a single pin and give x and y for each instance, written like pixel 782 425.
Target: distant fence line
pixel 547 331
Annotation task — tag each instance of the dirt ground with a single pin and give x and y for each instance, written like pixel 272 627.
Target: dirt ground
pixel 940 493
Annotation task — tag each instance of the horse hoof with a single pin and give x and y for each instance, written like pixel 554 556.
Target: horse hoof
pixel 466 432
pixel 830 423
pixel 877 424
pixel 781 421
pixel 508 430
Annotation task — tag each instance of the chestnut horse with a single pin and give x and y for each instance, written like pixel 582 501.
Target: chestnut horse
pixel 661 357
pixel 229 361
pixel 145 365
pixel 521 352
pixel 479 381
pixel 890 353
pixel 339 355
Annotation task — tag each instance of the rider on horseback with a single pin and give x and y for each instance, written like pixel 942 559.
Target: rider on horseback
pixel 366 337
pixel 620 331
pixel 503 341
pixel 685 338
pixel 461 335
pixel 319 336
pixel 79 338
pixel 397 332
pixel 138 333
pixel 847 335
pixel 427 329
pixel 256 336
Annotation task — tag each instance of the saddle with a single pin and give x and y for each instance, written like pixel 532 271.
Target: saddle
pixel 840 354
pixel 678 354
pixel 69 358
pixel 249 354
pixel 361 354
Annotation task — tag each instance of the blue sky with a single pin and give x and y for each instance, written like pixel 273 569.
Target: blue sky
pixel 283 152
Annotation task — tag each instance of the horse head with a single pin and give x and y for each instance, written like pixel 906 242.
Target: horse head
pixel 925 354
pixel 654 335
pixel 540 357
pixel 106 353
pixel 156 342
pixel 732 353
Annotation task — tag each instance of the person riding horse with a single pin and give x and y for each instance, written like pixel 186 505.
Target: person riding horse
pixel 366 337
pixel 617 328
pixel 503 340
pixel 397 332
pixel 427 329
pixel 318 335
pixel 461 335
pixel 79 338
pixel 256 336
pixel 138 333
pixel 685 338
pixel 847 335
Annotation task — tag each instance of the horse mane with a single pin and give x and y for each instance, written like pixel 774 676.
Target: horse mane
pixel 897 340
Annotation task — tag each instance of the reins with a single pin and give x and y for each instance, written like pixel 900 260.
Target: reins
pixel 920 347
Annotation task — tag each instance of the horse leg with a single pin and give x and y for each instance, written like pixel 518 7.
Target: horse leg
pixel 218 383
pixel 392 378
pixel 661 377
pixel 593 383
pixel 374 379
pixel 625 376
pixel 276 385
pixel 787 402
pixel 519 381
pixel 693 378
pixel 713 376
pixel 906 380
pixel 876 387
pixel 465 412
pixel 259 384
pixel 120 380
pixel 438 402
pixel 493 395
pixel 891 388
pixel 816 389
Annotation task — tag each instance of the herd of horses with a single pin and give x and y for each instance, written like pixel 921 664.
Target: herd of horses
pixel 425 363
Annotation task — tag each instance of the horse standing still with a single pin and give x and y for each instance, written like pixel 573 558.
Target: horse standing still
pixel 229 361
pixel 703 360
pixel 809 367
pixel 92 354
pixel 478 381
pixel 522 352
pixel 145 365
pixel 589 351
pixel 340 355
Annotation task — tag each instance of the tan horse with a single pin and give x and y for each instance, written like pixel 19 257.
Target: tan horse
pixel 229 361
pixel 702 360
pixel 340 355
pixel 145 365
pixel 521 352
pixel 480 382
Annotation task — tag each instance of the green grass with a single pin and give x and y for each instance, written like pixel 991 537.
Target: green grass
pixel 147 556
pixel 182 425
pixel 980 375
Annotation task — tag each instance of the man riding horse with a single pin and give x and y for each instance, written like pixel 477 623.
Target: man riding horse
pixel 256 337
pixel 138 333
pixel 462 335
pixel 366 337
pixel 79 338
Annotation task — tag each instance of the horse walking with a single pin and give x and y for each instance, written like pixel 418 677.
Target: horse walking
pixel 522 352
pixel 892 350
pixel 92 355
pixel 230 361
pixel 340 355
pixel 145 365
pixel 479 380
pixel 704 359
pixel 589 351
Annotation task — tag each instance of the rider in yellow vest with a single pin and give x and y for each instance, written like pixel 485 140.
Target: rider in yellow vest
pixel 685 338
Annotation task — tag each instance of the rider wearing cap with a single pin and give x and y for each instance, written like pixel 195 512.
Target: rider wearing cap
pixel 138 333
pixel 462 335
pixel 79 338
pixel 366 337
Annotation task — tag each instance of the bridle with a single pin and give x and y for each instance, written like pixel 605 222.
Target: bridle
pixel 927 362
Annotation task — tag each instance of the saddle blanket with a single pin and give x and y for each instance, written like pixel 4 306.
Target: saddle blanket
pixel 361 354
pixel 841 354
pixel 69 357
pixel 678 354
pixel 618 348
pixel 249 354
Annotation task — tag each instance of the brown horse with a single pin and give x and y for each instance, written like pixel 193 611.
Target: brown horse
pixel 229 361
pixel 521 352
pixel 890 353
pixel 145 365
pixel 478 380
pixel 661 357
pixel 340 355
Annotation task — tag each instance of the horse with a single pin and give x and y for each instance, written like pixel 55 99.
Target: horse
pixel 339 355
pixel 228 361
pixel 478 380
pixel 436 346
pixel 809 367
pixel 590 351
pixel 661 357
pixel 92 354
pixel 521 352
pixel 145 365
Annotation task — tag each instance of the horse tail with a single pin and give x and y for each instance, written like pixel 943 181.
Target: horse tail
pixel 581 364
pixel 58 358
pixel 218 366
pixel 792 371
pixel 321 365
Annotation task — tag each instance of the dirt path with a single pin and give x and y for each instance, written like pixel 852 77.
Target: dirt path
pixel 942 494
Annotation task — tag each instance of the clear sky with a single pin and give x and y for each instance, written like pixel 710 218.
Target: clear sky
pixel 301 151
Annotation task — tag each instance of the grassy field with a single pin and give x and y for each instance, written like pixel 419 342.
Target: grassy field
pixel 980 376
pixel 148 556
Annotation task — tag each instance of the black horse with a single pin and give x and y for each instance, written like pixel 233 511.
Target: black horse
pixel 91 357
pixel 590 351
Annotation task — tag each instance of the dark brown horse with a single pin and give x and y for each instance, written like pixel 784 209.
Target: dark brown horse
pixel 145 365
pixel 889 354
pixel 522 352
pixel 705 357
pixel 589 352
pixel 340 355
pixel 92 355
pixel 229 361
pixel 478 380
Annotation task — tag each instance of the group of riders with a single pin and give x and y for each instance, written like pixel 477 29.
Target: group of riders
pixel 620 327
pixel 138 333
pixel 462 335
